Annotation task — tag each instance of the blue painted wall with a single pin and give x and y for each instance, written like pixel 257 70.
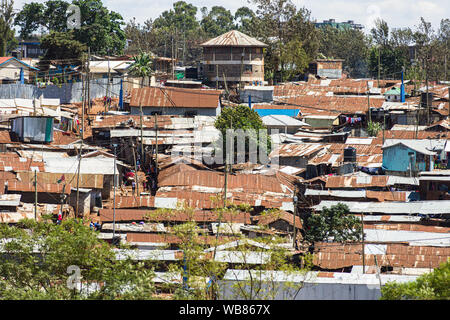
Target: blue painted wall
pixel 268 112
pixel 396 158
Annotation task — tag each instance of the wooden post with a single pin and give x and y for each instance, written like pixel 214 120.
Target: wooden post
pixel 368 102
pixel 114 196
pixel 78 179
pixel 294 240
pixel 135 167
pixel 89 79
pixel 362 238
pixel 156 144
pixel 35 195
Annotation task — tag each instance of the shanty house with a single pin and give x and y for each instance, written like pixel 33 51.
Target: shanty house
pixel 175 101
pixel 406 157
pixel 328 68
pixel 233 57
pixel 392 94
pixel 283 123
pixel 11 69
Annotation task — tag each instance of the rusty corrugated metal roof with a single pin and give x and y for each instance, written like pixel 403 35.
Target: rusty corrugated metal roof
pixel 233 38
pixel 174 216
pixel 298 150
pixel 335 256
pixel 174 97
pixel 356 182
pixel 271 217
pixel 170 238
pixel 18 186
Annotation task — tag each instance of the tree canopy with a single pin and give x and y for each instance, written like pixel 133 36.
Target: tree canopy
pixel 430 286
pixel 101 29
pixel 243 123
pixel 40 260
pixel 334 223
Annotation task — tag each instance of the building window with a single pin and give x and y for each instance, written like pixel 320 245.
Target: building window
pixel 210 67
pixel 190 113
pixel 248 68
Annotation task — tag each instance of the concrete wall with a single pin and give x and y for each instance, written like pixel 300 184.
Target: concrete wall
pixel 84 201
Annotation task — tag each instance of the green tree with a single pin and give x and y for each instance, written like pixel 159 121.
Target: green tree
pixel 430 286
pixel 37 258
pixel 30 19
pixel 334 223
pixel 390 53
pixel 6 25
pixel 242 118
pixel 61 46
pixel 179 28
pixel 277 23
pixel 142 66
pixel 141 37
pixel 101 29
pixel 217 21
pixel 244 18
pixel 348 44
pixel 48 16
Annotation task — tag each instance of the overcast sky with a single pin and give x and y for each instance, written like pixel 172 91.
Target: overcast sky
pixel 397 13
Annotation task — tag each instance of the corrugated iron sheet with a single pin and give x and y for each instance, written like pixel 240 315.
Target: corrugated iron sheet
pixel 86 180
pixel 397 255
pixel 174 97
pixel 233 38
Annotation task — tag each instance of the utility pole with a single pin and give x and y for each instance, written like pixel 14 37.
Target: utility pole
pixel 173 61
pixel 428 105
pixel 79 155
pixel 362 237
pixel 78 178
pixel 141 115
pixel 242 70
pixel 368 102
pixel 156 144
pixel 448 103
pixel 89 79
pixel 135 167
pixel 107 90
pixel 114 194
pixel 378 83
pixel 294 240
pixel 35 195
pixel 217 76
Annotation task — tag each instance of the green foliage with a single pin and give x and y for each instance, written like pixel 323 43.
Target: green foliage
pixel 101 29
pixel 430 286
pixel 61 45
pixel 217 21
pixel 373 128
pixel 348 44
pixel 242 118
pixel 142 65
pixel 334 223
pixel 37 255
pixel 6 25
